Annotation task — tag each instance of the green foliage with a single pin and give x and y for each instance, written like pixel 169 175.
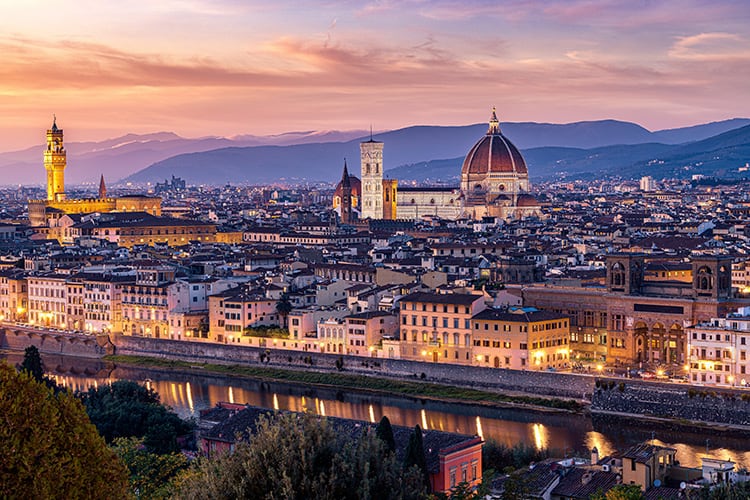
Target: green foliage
pixel 516 487
pixel 126 409
pixel 384 431
pixel 150 473
pixel 284 307
pixel 269 332
pixel 498 456
pixel 49 447
pixel 294 456
pixel 621 492
pixel 32 363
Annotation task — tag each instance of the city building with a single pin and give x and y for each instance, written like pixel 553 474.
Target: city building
pixel 521 339
pixel 437 327
pixel 632 320
pixel 719 350
pixel 45 212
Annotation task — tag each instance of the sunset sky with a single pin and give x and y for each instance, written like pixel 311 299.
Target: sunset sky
pixel 226 67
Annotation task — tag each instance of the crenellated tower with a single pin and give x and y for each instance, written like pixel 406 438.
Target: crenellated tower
pixel 55 161
pixel 371 157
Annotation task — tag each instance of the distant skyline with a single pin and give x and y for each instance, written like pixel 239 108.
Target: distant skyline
pixel 228 67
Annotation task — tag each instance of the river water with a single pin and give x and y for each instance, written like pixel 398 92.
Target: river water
pixel 189 393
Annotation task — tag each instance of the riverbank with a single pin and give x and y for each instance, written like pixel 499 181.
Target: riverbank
pixel 343 380
pixel 676 425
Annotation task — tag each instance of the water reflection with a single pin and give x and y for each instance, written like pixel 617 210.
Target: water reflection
pixel 189 394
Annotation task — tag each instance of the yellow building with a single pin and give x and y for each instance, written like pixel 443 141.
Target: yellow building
pixel 644 464
pixel 46 212
pixel 521 339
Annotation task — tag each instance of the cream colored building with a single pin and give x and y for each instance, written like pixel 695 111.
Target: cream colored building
pixel 521 339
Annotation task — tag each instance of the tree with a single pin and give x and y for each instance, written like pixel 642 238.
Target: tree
pixel 414 454
pixel 127 409
pixel 621 492
pixel 150 473
pixel 50 449
pixel 32 363
pixel 385 432
pixel 284 307
pixel 301 456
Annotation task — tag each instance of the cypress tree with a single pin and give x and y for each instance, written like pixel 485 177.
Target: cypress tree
pixel 384 431
pixel 32 363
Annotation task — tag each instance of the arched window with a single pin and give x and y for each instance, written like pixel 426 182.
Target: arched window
pixel 617 274
pixel 705 279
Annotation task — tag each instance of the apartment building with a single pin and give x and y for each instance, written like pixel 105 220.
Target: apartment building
pixel 521 339
pixel 14 295
pixel 437 327
pixel 145 305
pixel 232 311
pixel 48 304
pixel 719 350
pixel 365 331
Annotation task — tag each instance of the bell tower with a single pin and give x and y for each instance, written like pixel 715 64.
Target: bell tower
pixel 55 160
pixel 371 197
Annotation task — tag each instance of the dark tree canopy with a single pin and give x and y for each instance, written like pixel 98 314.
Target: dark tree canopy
pixel 49 447
pixel 414 455
pixel 127 409
pixel 32 363
pixel 385 432
pixel 295 456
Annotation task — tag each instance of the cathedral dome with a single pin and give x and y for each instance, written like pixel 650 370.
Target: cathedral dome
pixel 494 154
pixel 526 200
pixel 356 188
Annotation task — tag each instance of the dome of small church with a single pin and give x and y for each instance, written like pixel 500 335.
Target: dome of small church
pixel 356 187
pixel 494 153
pixel 526 200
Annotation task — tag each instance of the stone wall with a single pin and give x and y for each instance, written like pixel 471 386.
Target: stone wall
pixel 543 383
pixel 704 404
pixel 55 343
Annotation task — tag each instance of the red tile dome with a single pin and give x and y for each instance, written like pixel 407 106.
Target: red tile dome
pixel 494 153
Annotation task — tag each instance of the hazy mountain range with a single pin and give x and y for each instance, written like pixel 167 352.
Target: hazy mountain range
pixel 420 153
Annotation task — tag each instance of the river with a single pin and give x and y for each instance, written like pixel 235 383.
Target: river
pixel 189 393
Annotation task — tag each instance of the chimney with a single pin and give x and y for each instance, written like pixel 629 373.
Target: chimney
pixel 586 477
pixel 594 456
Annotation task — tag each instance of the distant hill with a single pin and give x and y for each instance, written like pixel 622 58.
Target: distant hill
pixel 718 156
pixel 318 155
pixel 438 151
pixel 122 156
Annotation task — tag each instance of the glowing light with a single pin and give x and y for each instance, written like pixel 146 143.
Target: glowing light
pixel 660 372
pixel 540 436
pixel 479 357
pixel 372 414
pixel 599 367
pixel 424 419
pixel 480 433
pixel 189 393
pixel 424 353
pixel 231 395
pixel 275 402
pixel 686 368
pixel 323 408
